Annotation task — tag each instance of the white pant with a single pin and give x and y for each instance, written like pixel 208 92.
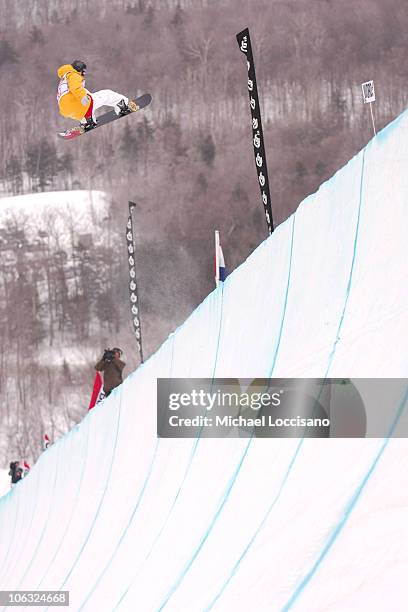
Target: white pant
pixel 105 97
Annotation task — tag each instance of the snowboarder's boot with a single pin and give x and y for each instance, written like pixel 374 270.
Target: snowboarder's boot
pixel 86 124
pixel 89 125
pixel 124 109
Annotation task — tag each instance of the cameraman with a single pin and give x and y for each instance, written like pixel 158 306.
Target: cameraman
pixel 111 366
pixel 16 472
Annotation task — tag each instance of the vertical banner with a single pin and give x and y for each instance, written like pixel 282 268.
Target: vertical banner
pixel 244 43
pixel 134 299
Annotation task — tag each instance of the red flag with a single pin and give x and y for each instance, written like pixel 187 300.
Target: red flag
pixel 46 441
pixel 97 391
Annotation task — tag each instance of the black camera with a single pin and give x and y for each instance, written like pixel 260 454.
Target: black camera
pixel 108 355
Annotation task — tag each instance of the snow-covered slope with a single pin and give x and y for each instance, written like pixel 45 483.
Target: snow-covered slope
pixel 128 522
pixel 4 482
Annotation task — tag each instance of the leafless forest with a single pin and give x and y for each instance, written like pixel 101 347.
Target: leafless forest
pixel 186 160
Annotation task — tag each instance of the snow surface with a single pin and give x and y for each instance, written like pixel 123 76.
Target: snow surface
pixel 125 521
pixel 4 482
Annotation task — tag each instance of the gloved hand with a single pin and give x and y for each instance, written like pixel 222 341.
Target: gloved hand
pixel 86 100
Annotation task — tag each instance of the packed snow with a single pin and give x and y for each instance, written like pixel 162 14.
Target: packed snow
pixel 4 482
pixel 126 521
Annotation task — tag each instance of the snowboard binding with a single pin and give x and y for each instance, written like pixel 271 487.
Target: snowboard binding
pixel 89 125
pixel 125 109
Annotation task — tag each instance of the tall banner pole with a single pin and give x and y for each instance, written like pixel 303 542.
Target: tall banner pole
pixel 134 298
pixel 369 98
pixel 244 43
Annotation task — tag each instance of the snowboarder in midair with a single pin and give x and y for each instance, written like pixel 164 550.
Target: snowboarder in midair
pixel 77 102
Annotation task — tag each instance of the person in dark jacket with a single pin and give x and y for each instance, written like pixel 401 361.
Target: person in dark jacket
pixel 16 472
pixel 112 366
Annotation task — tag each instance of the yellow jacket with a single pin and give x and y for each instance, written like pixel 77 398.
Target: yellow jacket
pixel 73 99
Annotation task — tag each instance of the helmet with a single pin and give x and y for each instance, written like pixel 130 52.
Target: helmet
pixel 117 350
pixel 79 66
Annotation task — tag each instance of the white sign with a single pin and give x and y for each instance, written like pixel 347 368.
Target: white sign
pixel 368 92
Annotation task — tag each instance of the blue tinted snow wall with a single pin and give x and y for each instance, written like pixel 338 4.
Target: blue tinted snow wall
pixel 128 522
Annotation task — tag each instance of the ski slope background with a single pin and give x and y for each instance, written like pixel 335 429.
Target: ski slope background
pixel 57 214
pixel 125 521
pixel 60 220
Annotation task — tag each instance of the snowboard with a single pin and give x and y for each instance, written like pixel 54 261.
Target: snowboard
pixel 108 117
